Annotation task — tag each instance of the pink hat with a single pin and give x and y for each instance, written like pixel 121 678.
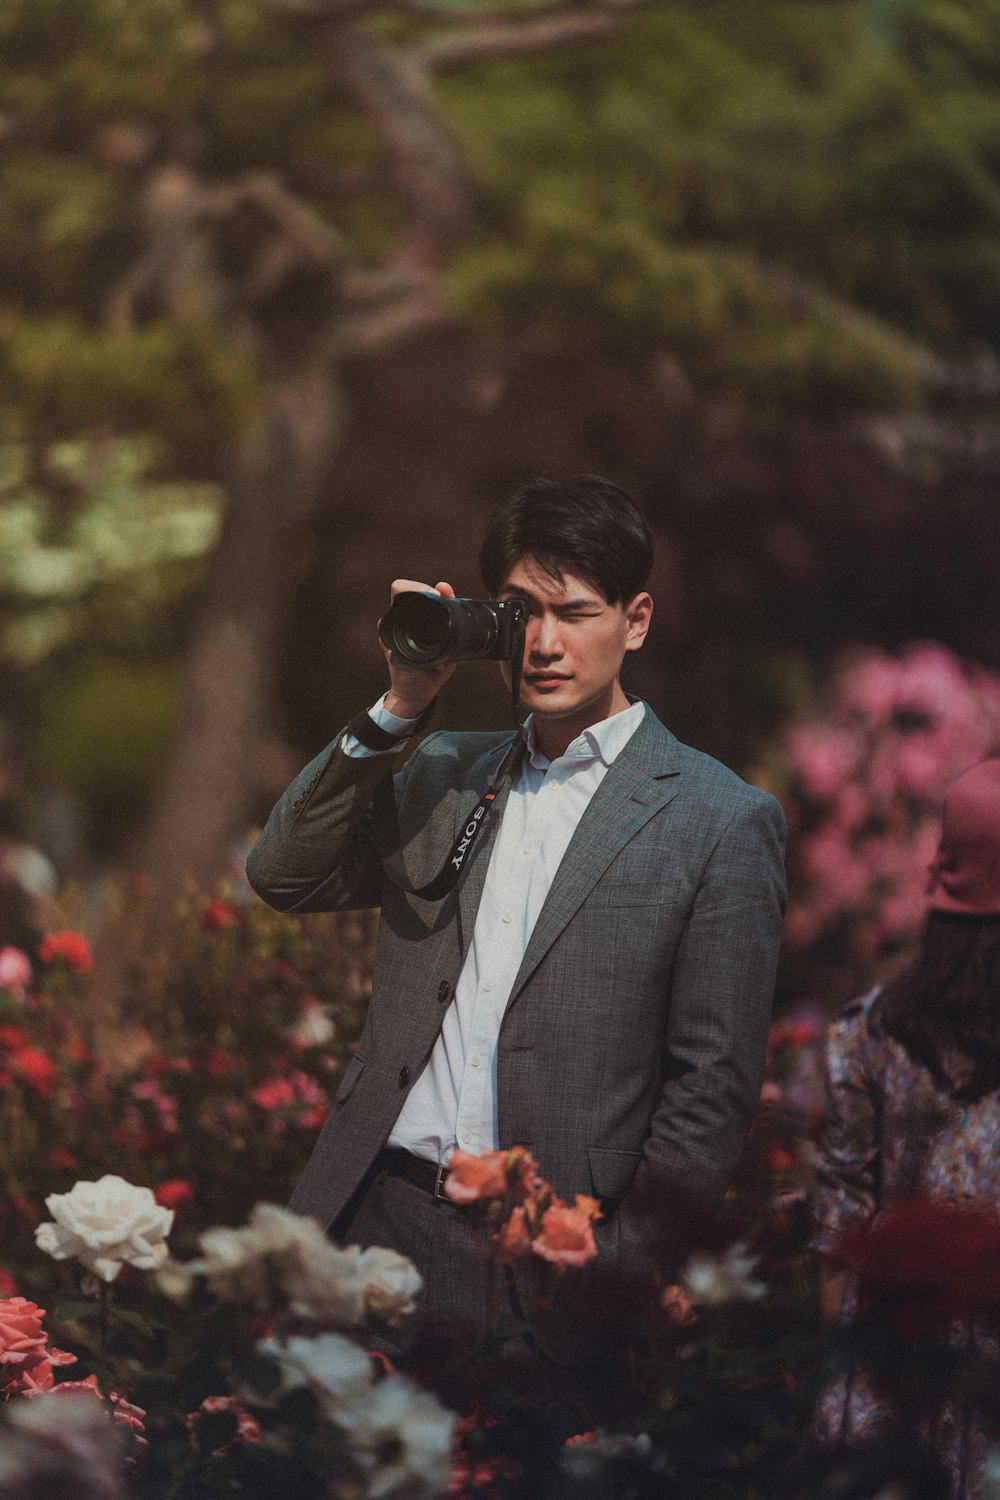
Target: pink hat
pixel 965 872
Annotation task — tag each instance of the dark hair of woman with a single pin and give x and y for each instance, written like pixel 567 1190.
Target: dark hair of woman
pixel 945 1007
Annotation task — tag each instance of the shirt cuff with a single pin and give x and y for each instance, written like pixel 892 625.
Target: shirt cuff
pixel 400 729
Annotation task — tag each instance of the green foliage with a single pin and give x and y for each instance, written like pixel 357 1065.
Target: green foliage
pixel 858 158
pixel 737 329
pixel 173 377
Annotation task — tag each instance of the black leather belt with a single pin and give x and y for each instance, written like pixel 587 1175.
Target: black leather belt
pixel 427 1175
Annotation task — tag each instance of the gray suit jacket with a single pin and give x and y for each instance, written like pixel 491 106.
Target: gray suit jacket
pixel 633 1043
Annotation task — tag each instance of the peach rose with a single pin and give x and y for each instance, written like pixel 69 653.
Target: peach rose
pixel 494 1174
pixel 475 1179
pixel 513 1243
pixel 567 1235
pixel 678 1306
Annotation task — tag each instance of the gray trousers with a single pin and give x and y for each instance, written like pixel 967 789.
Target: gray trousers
pixel 445 1243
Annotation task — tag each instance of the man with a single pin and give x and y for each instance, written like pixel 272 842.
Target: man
pixel 598 986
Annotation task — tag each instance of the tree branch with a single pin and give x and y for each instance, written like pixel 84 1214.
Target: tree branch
pixel 428 169
pixel 523 34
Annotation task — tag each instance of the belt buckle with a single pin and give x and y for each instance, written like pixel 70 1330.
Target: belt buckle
pixel 437 1194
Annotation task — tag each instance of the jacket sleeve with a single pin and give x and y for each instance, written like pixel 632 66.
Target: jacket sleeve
pixel 721 997
pixel 318 850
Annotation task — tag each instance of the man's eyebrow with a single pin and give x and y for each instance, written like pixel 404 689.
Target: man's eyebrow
pixel 510 592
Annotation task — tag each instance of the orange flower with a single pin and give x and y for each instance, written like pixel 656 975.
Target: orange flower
pixel 522 1172
pixel 567 1235
pixel 494 1174
pixel 678 1306
pixel 474 1179
pixel 513 1243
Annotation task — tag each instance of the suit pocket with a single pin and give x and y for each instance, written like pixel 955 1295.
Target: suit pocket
pixel 610 893
pixel 355 1068
pixel 611 1172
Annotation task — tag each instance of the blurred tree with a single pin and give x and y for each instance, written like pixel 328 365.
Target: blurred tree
pixel 216 208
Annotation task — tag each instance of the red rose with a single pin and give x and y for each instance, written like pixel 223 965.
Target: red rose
pixel 780 1158
pixel 218 915
pixel 36 1068
pixel 245 1428
pixel 173 1193
pixel 71 948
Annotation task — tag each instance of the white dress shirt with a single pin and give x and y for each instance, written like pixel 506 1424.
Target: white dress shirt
pixel 453 1102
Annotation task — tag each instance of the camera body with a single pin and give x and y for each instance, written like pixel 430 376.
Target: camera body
pixel 425 630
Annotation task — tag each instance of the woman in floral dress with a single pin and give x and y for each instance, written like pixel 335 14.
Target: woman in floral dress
pixel 913 1108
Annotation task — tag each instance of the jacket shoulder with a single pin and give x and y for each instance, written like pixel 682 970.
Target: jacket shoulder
pixel 722 788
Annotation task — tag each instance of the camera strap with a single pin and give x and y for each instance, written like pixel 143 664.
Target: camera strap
pixel 375 738
pixel 448 876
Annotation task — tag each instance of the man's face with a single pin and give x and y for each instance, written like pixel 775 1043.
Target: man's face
pixel 575 644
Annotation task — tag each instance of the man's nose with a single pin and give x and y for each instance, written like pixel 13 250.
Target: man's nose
pixel 543 636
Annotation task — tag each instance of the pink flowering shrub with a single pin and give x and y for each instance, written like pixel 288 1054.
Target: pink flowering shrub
pixel 862 784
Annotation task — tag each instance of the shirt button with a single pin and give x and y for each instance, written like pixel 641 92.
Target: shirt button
pixel 528 847
pixel 476 1059
pixel 404 1077
pixel 487 984
pixel 466 1137
pixel 508 916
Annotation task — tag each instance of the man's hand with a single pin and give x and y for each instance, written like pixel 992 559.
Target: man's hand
pixel 414 688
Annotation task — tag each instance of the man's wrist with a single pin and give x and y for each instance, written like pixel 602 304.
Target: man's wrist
pixel 405 708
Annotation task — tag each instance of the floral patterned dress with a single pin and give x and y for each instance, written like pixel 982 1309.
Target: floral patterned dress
pixel 889 1130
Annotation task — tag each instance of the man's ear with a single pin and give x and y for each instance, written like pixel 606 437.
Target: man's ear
pixel 638 613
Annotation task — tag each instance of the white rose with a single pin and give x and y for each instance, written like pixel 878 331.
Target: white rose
pixel 322 1283
pixel 106 1225
pixel 712 1281
pixel 313 1028
pixel 402 1437
pixel 390 1281
pixel 339 1373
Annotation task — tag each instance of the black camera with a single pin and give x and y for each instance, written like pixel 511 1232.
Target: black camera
pixel 426 630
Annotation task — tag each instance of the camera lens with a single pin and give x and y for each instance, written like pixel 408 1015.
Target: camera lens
pixel 419 630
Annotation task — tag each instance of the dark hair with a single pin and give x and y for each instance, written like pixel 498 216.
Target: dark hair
pixel 945 1007
pixel 582 525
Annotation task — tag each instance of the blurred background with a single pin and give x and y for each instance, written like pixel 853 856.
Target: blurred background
pixel 291 291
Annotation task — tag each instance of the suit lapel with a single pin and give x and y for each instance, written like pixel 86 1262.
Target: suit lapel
pixel 640 781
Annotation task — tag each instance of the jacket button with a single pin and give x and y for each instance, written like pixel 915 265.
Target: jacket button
pixel 444 990
pixel 404 1077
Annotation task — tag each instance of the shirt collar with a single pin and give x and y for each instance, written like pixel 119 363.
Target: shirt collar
pixel 604 741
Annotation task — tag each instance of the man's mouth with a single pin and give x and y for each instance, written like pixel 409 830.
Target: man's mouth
pixel 544 679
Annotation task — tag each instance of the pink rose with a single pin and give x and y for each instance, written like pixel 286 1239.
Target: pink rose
pixel 25 1363
pixel 129 1416
pixel 15 970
